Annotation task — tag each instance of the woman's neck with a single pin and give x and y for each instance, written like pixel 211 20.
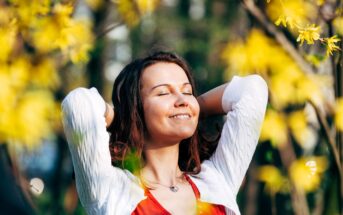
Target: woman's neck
pixel 161 164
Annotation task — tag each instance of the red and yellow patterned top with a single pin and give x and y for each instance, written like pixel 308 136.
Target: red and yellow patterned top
pixel 150 205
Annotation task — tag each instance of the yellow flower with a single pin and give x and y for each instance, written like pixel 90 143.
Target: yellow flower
pixel 62 13
pixel 44 74
pixel 63 9
pixel 274 128
pixel 29 120
pixel 45 34
pixel 41 7
pixel 292 13
pixel 147 6
pixel 252 56
pixel 18 72
pixel 73 37
pixel 301 131
pixel 306 172
pixel 95 4
pixel 262 55
pixel 259 47
pixel 308 89
pixel 128 12
pixel 236 57
pixel 8 93
pixel 339 114
pixel 132 11
pixel 76 41
pixel 80 54
pixel 32 118
pixel 28 12
pixel 338 24
pixel 275 181
pixel 309 34
pixel 7 40
pixel 315 59
pixel 6 15
pixel 7 127
pixel 282 87
pixel 282 20
pixel 36 6
pixel 320 2
pixel 331 46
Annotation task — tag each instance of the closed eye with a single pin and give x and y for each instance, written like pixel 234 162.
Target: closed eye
pixel 189 94
pixel 162 94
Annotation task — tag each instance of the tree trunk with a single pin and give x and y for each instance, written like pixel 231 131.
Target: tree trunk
pixel 12 197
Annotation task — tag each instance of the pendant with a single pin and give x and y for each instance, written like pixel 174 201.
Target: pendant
pixel 174 188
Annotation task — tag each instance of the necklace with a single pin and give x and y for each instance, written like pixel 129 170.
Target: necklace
pixel 172 188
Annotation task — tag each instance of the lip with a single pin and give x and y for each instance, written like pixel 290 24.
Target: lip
pixel 181 116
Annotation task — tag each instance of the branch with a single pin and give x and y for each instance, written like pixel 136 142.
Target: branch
pixel 332 147
pixel 330 138
pixel 250 6
pixel 108 29
pixel 298 197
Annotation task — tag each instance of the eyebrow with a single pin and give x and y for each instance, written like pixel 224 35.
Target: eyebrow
pixel 168 85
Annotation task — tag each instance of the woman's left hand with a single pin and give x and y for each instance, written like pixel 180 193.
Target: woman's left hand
pixel 109 115
pixel 211 102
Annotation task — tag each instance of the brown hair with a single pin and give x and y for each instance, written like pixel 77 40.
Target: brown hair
pixel 128 127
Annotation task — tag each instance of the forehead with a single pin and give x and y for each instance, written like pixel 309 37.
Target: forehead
pixel 163 73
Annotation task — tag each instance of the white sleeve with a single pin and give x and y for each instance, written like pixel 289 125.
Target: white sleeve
pixel 244 100
pixel 85 129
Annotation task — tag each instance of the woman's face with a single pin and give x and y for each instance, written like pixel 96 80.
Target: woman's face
pixel 171 111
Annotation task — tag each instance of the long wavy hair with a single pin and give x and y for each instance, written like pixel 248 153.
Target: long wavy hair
pixel 128 128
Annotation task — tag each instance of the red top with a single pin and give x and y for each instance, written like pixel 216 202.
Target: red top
pixel 151 206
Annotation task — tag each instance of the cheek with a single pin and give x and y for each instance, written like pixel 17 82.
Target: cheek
pixel 195 107
pixel 154 112
pixel 154 116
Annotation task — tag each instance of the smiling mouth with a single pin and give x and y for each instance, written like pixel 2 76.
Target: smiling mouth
pixel 181 116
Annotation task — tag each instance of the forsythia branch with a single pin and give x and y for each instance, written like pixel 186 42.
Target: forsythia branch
pixel 279 36
pixel 330 138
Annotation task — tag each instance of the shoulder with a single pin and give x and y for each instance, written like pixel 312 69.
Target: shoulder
pixel 213 187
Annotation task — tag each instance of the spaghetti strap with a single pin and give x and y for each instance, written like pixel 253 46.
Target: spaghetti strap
pixel 194 187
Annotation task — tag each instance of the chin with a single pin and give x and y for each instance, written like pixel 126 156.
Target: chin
pixel 185 134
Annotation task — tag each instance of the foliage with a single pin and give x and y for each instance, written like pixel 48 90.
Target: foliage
pixel 132 11
pixel 36 38
pixel 299 100
pixel 40 40
pixel 43 41
pixel 299 15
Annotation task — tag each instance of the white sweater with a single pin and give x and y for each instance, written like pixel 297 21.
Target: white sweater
pixel 104 189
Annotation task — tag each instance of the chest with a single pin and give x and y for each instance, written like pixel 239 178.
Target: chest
pixel 184 201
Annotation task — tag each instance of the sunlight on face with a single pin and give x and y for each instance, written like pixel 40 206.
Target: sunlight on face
pixel 171 111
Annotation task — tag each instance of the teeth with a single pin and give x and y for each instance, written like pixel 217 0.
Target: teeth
pixel 181 116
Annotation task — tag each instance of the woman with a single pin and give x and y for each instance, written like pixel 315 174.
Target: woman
pixel 155 120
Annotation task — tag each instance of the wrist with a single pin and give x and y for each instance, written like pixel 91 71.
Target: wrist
pixel 109 114
pixel 106 110
pixel 201 102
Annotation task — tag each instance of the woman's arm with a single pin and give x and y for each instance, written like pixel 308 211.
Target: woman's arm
pixel 85 129
pixel 244 100
pixel 211 102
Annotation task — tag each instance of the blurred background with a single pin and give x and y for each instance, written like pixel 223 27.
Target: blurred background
pixel 49 47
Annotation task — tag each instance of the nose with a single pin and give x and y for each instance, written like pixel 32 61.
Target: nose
pixel 181 101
